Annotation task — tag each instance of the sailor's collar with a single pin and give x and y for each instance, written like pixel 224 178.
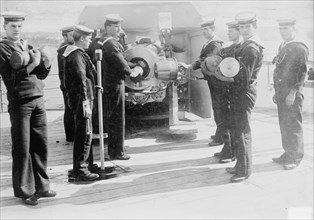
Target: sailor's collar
pixel 70 49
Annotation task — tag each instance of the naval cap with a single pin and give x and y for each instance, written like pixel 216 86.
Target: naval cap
pixel 286 21
pixel 246 17
pixel 113 19
pixel 81 29
pixel 233 24
pixel 208 22
pixel 67 29
pixel 13 16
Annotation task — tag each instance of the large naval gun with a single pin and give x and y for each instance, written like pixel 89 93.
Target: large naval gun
pixel 157 42
pixel 158 72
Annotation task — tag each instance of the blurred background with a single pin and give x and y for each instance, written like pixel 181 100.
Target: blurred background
pixel 45 18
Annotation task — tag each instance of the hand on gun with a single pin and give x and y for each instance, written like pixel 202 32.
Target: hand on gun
pixel 184 65
pixel 131 64
pixel 136 71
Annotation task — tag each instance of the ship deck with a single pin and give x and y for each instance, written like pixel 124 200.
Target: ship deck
pixel 172 174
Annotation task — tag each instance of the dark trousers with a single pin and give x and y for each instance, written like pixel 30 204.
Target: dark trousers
pixel 95 118
pixel 290 122
pixel 68 119
pixel 82 148
pixel 219 92
pixel 114 104
pixel 242 103
pixel 29 146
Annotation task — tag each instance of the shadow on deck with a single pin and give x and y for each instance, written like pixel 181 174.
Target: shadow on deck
pixel 171 176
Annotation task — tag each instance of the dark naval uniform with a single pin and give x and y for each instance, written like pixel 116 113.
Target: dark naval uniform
pixel 80 86
pixel 68 118
pixel 28 118
pixel 215 85
pixel 114 69
pixel 229 51
pixel 242 100
pixel 289 74
pixel 94 45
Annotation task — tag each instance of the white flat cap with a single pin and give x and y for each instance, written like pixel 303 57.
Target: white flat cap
pixel 83 29
pixel 13 16
pixel 246 17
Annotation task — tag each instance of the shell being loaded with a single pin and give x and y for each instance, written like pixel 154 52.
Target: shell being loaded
pixel 19 59
pixel 229 67
pixel 212 63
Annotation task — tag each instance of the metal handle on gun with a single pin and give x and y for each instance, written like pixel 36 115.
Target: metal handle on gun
pixel 196 78
pixel 98 55
pixel 184 66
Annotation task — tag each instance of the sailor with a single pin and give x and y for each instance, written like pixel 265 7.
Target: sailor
pixel 80 89
pixel 212 48
pixel 227 154
pixel 114 70
pixel 27 111
pixel 289 77
pixel 243 95
pixel 68 117
pixel 234 36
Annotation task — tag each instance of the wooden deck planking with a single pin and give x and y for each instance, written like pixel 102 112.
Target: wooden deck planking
pixel 175 174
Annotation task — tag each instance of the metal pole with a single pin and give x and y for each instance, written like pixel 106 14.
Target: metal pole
pixel 98 54
pixel 1 102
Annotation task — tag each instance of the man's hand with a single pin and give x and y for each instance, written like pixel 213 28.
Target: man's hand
pixel 47 56
pixel 291 97
pixel 132 65
pixel 87 112
pixel 136 71
pixel 184 65
pixel 99 88
pixel 275 98
pixel 35 57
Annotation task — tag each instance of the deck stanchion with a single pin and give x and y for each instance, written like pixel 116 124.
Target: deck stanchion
pixel 108 171
pixel 98 54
